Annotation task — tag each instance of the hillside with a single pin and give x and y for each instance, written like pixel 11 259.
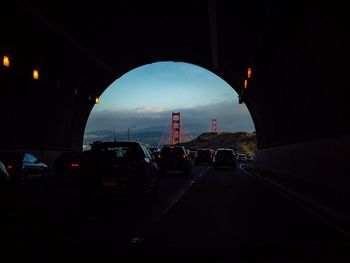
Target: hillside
pixel 244 142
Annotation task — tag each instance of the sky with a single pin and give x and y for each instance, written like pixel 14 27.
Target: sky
pixel 146 96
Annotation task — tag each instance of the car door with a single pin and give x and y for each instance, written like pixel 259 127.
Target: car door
pixel 33 167
pixel 151 166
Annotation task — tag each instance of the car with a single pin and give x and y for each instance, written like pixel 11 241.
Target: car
pixel 175 158
pixel 242 158
pixel 204 156
pixel 118 165
pixel 154 149
pixel 24 166
pixel 155 152
pixel 66 163
pixel 224 157
pixel 193 155
pixel 4 186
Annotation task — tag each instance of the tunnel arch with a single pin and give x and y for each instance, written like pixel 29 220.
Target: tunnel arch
pixel 179 68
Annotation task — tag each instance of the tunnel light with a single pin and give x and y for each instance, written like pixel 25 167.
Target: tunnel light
pixel 35 74
pixel 249 72
pixel 245 84
pixel 97 100
pixel 6 61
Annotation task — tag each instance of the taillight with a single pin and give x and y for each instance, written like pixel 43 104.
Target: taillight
pixel 159 156
pixel 184 156
pixel 9 167
pixel 74 165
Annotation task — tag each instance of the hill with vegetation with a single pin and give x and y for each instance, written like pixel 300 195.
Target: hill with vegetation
pixel 241 142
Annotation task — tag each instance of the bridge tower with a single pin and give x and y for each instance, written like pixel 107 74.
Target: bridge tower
pixel 175 128
pixel 214 125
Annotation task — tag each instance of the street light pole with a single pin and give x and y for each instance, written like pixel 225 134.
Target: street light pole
pixel 129 131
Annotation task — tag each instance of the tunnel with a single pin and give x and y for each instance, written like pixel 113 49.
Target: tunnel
pixel 297 52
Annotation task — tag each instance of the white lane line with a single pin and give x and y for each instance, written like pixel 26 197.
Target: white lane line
pixel 293 197
pixel 138 238
pixel 183 192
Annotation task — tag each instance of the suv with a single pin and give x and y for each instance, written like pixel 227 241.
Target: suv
pixel 119 165
pixel 175 158
pixel 224 157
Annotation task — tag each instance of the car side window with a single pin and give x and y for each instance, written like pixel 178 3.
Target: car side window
pixel 25 158
pixel 31 158
pixel 149 154
pixel 146 152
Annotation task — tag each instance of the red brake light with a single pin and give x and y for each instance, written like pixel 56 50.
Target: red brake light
pixel 74 165
pixel 184 156
pixel 9 167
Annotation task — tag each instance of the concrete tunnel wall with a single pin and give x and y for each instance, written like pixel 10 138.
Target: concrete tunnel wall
pixel 299 97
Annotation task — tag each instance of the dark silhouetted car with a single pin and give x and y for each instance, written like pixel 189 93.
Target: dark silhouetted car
pixel 242 158
pixel 193 155
pixel 155 152
pixel 24 166
pixel 118 165
pixel 66 163
pixel 204 156
pixel 175 158
pixel 4 186
pixel 224 157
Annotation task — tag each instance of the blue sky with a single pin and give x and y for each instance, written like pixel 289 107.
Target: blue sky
pixel 147 95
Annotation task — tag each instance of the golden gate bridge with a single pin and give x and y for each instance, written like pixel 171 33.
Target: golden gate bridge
pixel 176 133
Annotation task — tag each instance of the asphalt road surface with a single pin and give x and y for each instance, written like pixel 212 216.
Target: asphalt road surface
pixel 216 215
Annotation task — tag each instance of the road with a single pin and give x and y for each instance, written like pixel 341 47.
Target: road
pixel 212 213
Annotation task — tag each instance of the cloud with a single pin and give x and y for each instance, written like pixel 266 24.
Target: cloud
pixel 149 110
pixel 230 116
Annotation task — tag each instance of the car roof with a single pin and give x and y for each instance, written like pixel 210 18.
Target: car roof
pixel 224 149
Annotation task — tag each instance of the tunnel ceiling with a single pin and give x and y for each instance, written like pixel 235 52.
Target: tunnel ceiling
pixel 296 52
pixel 117 37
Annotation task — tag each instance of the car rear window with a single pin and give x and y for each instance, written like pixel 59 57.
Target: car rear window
pixel 172 151
pixel 204 152
pixel 224 153
pixel 121 152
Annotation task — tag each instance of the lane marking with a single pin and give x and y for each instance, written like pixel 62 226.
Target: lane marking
pixel 293 197
pixel 183 192
pixel 137 238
